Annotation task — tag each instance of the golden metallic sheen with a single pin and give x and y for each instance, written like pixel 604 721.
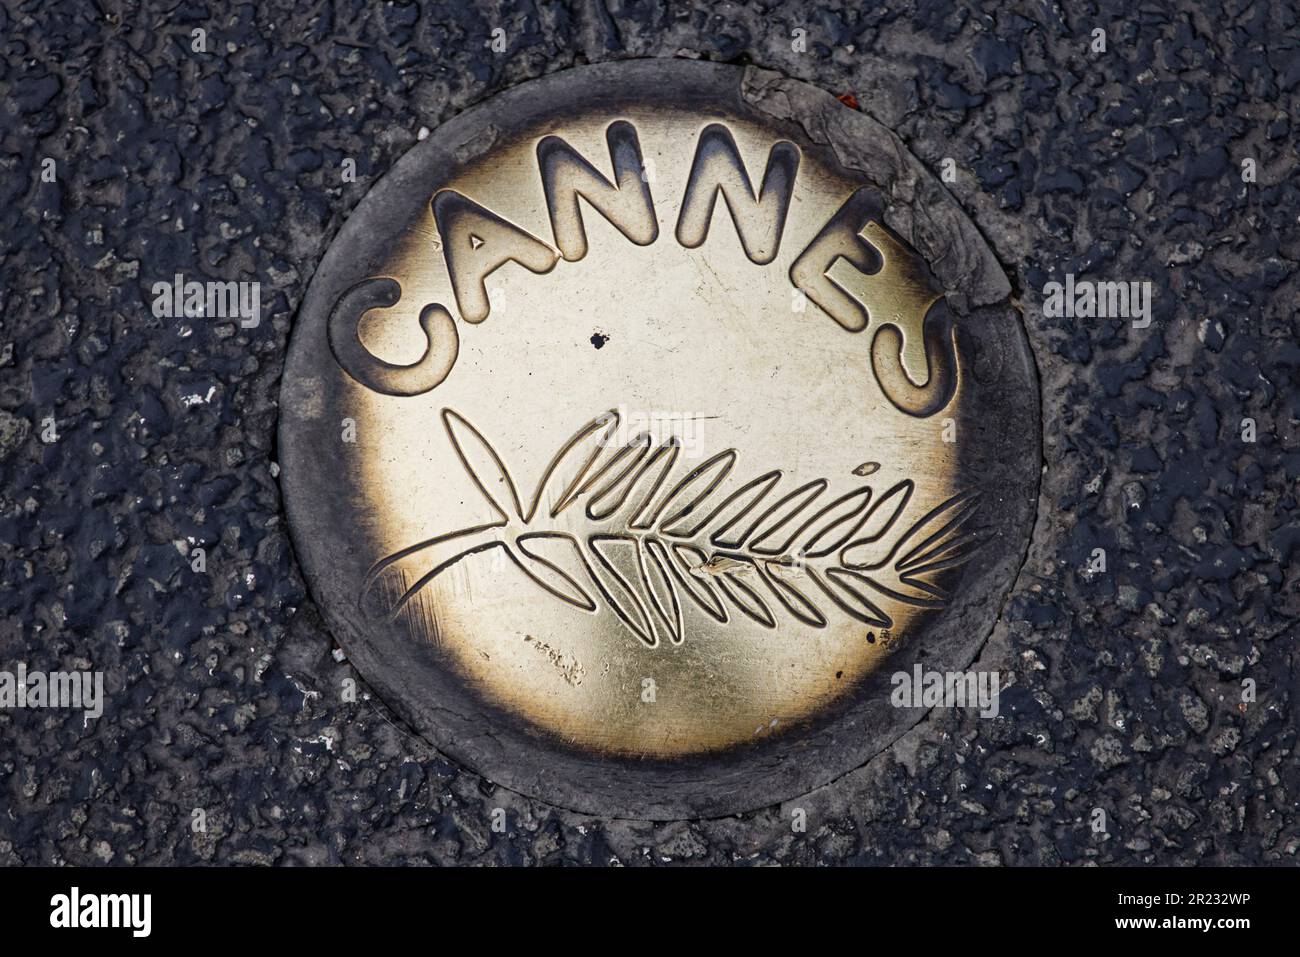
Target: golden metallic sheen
pixel 624 440
pixel 634 472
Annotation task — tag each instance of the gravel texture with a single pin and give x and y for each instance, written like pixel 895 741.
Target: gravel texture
pixel 223 692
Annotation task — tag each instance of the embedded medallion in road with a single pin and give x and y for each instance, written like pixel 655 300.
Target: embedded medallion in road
pixel 642 421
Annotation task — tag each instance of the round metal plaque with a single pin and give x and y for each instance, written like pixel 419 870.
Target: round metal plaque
pixel 643 421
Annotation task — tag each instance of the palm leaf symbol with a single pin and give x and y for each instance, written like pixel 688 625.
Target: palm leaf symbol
pixel 655 544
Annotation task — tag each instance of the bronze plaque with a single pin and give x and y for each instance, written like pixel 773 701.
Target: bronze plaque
pixel 642 420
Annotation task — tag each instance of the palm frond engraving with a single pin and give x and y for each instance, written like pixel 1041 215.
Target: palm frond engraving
pixel 654 545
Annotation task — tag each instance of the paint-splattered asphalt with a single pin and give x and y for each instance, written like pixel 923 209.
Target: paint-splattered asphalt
pixel 223 693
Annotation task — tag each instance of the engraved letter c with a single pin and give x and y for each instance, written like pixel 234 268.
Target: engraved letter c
pixel 441 338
